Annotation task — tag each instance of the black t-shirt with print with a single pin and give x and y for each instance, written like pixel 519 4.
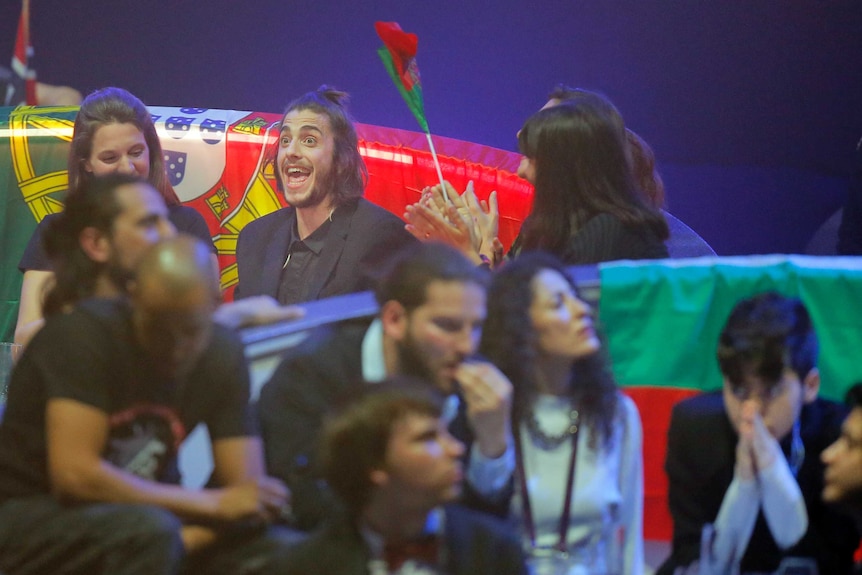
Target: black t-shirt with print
pixel 89 355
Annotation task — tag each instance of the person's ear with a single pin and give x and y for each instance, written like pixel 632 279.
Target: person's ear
pixel 394 318
pixel 95 244
pixel 378 477
pixel 811 386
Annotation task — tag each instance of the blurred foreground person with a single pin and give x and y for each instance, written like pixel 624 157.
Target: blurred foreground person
pixel 98 406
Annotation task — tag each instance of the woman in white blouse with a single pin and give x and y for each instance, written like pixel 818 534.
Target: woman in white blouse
pixel 579 485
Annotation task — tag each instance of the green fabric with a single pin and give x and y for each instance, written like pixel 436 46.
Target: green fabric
pixel 413 97
pixel 33 155
pixel 663 319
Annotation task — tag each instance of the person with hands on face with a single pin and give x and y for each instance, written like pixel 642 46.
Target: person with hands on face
pixel 98 406
pixel 432 307
pixel 756 487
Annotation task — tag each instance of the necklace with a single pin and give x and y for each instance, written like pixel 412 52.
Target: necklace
pixel 546 441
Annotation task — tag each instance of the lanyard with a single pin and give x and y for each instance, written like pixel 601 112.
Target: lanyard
pixel 527 509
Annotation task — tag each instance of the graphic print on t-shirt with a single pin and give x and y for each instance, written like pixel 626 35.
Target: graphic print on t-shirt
pixel 144 440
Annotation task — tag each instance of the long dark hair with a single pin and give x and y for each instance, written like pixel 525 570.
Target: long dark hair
pixel 583 168
pixel 509 341
pixel 93 205
pixel 116 106
pixel 350 172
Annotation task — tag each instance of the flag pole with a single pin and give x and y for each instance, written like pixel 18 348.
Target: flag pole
pixel 437 165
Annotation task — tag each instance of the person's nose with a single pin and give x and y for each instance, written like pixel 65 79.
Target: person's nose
pixel 453 446
pixel 292 149
pixel 579 307
pixel 166 229
pixel 466 341
pixel 126 166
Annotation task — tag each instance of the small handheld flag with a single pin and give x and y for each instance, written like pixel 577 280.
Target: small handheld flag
pixel 399 57
pixel 23 51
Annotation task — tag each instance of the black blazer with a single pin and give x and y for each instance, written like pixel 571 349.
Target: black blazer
pixel 701 454
pixel 363 237
pixel 293 403
pixel 476 544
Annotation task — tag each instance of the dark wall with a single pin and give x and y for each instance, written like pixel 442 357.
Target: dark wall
pixel 753 108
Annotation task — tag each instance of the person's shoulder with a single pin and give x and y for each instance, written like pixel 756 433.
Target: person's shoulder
pixel 102 319
pixel 460 518
pixel 627 409
pixel 331 353
pixel 224 338
pixel 369 210
pixel 823 416
pixel 268 222
pixel 605 221
pixel 703 407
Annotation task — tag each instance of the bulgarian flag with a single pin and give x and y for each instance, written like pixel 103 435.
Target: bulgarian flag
pixel 398 54
pixel 23 51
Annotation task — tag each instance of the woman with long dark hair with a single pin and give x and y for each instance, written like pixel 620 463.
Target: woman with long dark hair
pixel 587 206
pixel 579 480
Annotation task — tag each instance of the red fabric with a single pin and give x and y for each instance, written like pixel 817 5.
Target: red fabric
pixel 20 60
pixel 402 47
pixel 399 165
pixel 425 551
pixel 654 405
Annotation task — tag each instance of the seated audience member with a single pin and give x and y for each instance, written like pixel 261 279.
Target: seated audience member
pixel 389 456
pixel 330 240
pixel 578 438
pixel 432 305
pixel 97 241
pixel 842 478
pixel 587 206
pixel 114 133
pixel 98 405
pixel 745 462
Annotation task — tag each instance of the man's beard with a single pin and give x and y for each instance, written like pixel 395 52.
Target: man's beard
pixel 411 362
pixel 119 275
pixel 322 189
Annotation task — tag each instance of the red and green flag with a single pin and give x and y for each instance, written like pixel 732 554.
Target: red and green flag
pixel 399 57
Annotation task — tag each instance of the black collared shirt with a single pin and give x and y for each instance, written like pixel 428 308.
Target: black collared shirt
pixel 300 263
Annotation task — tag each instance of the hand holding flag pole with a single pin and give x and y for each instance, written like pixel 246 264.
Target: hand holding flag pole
pixel 399 57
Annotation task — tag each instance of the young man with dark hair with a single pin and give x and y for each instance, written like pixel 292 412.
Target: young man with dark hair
pixel 432 306
pixel 745 462
pixel 329 241
pixel 389 456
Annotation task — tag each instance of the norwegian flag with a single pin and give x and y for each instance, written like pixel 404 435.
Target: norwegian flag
pixel 23 53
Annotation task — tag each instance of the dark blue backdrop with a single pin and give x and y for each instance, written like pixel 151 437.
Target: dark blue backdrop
pixel 753 107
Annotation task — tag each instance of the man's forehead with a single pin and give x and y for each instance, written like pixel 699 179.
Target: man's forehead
pixel 139 195
pixel 304 118
pixel 454 293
